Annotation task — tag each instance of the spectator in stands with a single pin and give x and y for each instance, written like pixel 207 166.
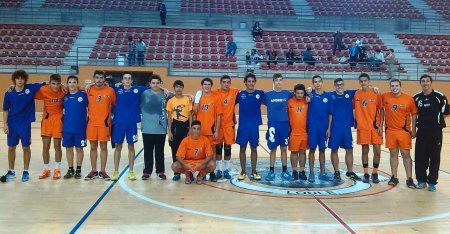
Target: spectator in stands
pixel 360 41
pixel 353 52
pixel 290 57
pixel 162 12
pixel 379 58
pixel 271 56
pixel 391 62
pixel 337 41
pixel 131 51
pixel 140 47
pixel 308 58
pixel 257 31
pixel 256 56
pixel 370 59
pixel 248 59
pixel 231 48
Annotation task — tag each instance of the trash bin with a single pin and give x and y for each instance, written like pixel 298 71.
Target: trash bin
pixel 120 61
pixel 243 25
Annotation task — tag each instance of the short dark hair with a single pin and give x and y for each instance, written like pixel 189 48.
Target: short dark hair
pixel 55 77
pixel 364 75
pixel 425 76
pixel 338 80
pixel 19 73
pixel 99 72
pixel 249 75
pixel 299 87
pixel 196 122
pixel 179 83
pixel 225 77
pixel 72 77
pixel 316 76
pixel 395 80
pixel 276 76
pixel 126 73
pixel 155 77
pixel 206 79
pixel 392 50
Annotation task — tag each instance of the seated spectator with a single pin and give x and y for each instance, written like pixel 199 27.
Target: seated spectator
pixel 231 48
pixel 271 56
pixel 248 60
pixel 257 31
pixel 353 52
pixel 379 58
pixel 308 58
pixel 256 56
pixel 290 57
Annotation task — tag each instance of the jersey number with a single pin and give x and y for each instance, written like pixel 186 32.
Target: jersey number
pixel 83 143
pixel 53 100
pixel 299 109
pixel 272 134
pixel 99 98
pixel 364 103
pixel 195 152
pixel 205 107
pixel 394 107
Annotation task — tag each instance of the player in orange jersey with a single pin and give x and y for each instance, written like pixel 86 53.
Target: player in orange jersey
pixel 209 111
pixel 100 98
pixel 194 154
pixel 298 138
pixel 51 126
pixel 400 110
pixel 369 124
pixel 227 96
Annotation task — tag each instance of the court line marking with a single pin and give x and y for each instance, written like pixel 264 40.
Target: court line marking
pixel 100 198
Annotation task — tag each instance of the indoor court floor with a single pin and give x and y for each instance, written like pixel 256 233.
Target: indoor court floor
pixel 156 206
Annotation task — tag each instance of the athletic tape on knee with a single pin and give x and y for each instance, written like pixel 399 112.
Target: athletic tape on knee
pixel 219 149
pixel 365 165
pixel 375 165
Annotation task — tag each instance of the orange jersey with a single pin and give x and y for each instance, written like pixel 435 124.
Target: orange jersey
pixel 52 100
pixel 194 149
pixel 366 105
pixel 398 110
pixel 297 111
pixel 228 99
pixel 208 109
pixel 99 105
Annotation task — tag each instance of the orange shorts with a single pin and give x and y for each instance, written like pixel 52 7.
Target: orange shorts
pixel 298 142
pixel 368 137
pixel 95 133
pixel 226 135
pixel 398 139
pixel 52 126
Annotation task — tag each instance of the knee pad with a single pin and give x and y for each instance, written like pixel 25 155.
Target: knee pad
pixel 219 149
pixel 227 150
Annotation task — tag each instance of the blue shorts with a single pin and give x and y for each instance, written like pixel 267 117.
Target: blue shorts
pixel 317 138
pixel 277 134
pixel 18 132
pixel 120 131
pixel 340 138
pixel 247 134
pixel 74 139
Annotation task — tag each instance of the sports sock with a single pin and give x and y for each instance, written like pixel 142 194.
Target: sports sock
pixel 25 170
pixel 272 169
pixel 219 165
pixel 366 168
pixel 225 164
pixel 46 165
pixel 375 168
pixel 57 164
pixel 11 170
pixel 284 168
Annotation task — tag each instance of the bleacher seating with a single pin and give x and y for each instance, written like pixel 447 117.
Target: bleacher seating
pixel 249 7
pixel 35 44
pixel 365 8
pixel 140 5
pixel 442 7
pixel 187 48
pixel 321 44
pixel 11 3
pixel 433 50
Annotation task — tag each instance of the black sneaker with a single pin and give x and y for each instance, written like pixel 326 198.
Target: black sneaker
pixel 294 175
pixel 69 174
pixel 302 175
pixel 77 174
pixel 410 183
pixel 375 178
pixel 337 176
pixel 162 176
pixel 104 176
pixel 393 181
pixel 352 175
pixel 212 177
pixel 366 178
pixel 92 175
pixel 145 176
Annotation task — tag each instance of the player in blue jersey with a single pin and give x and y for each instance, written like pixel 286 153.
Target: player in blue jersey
pixel 74 126
pixel 339 127
pixel 277 125
pixel 126 115
pixel 18 114
pixel 317 124
pixel 249 101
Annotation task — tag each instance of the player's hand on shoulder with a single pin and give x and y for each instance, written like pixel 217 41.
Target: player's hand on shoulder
pixel 10 89
pixel 309 90
pixel 118 84
pixel 376 90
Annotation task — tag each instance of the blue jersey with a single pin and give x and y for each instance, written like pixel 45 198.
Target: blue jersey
pixel 75 113
pixel 127 108
pixel 20 105
pixel 250 107
pixel 317 117
pixel 276 102
pixel 341 108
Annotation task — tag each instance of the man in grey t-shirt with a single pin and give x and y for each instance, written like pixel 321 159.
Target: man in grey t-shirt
pixel 154 127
